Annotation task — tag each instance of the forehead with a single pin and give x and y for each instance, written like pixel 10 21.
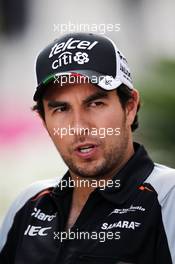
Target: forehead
pixel 55 91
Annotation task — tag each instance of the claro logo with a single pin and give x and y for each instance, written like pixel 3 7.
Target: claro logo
pixel 37 213
pixel 36 230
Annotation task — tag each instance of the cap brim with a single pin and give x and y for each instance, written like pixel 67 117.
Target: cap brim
pixel 105 82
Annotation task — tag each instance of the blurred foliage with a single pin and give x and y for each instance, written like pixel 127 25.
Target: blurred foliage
pixel 157 113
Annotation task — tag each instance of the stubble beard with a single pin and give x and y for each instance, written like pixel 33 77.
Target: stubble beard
pixel 111 161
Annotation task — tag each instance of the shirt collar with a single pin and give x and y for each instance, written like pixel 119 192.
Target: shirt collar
pixel 130 177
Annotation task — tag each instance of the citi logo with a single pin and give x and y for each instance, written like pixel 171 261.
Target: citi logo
pixel 67 58
pixel 37 213
pixel 36 230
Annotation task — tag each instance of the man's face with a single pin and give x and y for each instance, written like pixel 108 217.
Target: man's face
pixel 93 151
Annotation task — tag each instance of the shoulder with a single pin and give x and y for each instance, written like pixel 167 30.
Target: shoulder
pixel 31 191
pixel 20 201
pixel 162 179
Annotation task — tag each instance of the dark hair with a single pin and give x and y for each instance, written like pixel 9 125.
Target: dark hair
pixel 124 93
pixel 39 108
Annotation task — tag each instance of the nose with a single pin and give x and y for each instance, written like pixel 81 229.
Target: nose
pixel 80 122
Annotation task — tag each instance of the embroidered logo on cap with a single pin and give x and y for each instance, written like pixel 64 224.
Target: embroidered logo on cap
pixel 66 56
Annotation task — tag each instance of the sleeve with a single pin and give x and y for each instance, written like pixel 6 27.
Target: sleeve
pixel 163 252
pixel 8 230
pixel 163 181
pixel 9 234
pixel 168 216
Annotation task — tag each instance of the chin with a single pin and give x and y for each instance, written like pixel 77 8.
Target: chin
pixel 88 174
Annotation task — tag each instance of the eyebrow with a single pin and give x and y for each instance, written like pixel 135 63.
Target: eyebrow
pixel 90 98
pixel 53 104
pixel 95 96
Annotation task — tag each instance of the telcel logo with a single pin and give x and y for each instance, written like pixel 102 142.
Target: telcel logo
pixel 42 216
pixel 72 44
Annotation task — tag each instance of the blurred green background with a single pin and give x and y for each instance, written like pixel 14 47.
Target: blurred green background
pixel 157 113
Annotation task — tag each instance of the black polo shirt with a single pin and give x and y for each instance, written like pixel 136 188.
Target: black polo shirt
pixel 116 225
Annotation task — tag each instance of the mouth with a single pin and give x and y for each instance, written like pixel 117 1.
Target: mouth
pixel 86 150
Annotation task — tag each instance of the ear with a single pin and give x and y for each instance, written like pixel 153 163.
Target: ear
pixel 131 107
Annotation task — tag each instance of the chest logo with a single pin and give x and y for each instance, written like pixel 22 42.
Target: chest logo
pixel 132 208
pixel 36 231
pixel 37 213
pixel 121 224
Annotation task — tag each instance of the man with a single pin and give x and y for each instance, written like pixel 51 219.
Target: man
pixel 114 205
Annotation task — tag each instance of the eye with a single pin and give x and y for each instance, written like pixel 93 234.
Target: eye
pixel 96 103
pixel 60 109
